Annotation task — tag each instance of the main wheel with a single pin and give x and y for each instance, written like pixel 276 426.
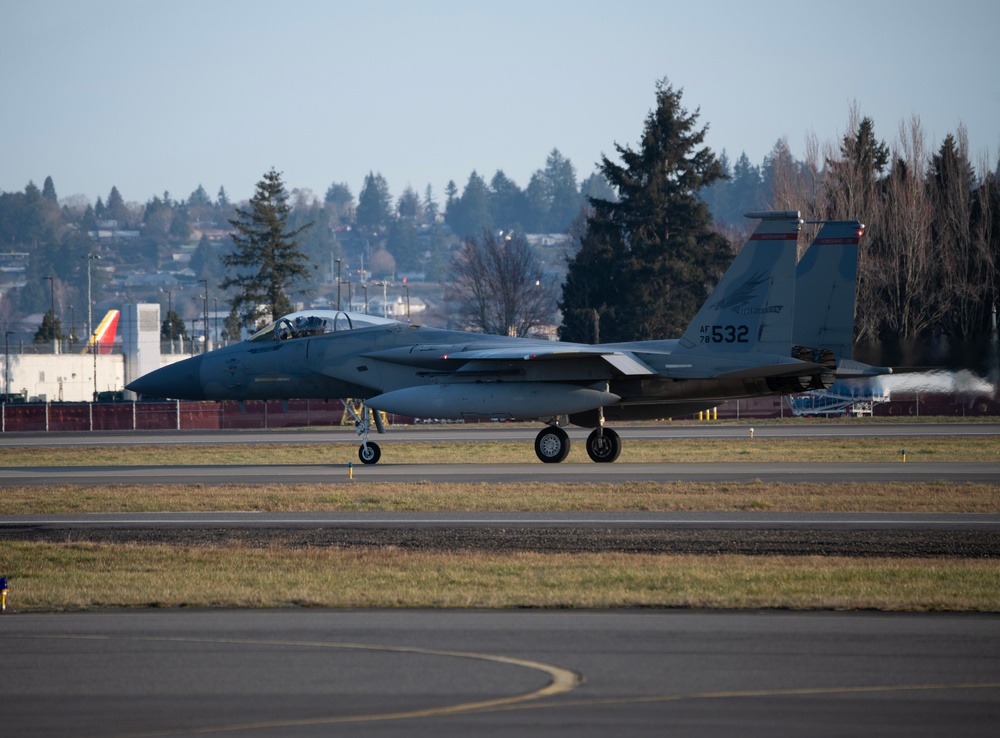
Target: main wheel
pixel 552 444
pixel 604 445
pixel 369 453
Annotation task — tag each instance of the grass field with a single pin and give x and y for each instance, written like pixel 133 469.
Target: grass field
pixel 48 576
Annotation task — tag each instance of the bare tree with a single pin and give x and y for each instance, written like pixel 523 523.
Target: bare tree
pixel 908 271
pixel 500 287
pixel 852 189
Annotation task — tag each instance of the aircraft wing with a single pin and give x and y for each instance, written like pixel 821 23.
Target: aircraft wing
pixel 471 360
pixel 624 362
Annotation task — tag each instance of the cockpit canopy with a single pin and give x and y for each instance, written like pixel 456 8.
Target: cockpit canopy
pixel 307 323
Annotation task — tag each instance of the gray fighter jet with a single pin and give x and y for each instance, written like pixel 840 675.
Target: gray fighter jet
pixel 756 335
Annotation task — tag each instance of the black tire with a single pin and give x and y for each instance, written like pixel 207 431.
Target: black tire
pixel 369 453
pixel 604 445
pixel 552 444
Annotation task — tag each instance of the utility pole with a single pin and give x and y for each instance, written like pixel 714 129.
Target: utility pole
pixel 205 345
pixel 52 312
pixel 90 302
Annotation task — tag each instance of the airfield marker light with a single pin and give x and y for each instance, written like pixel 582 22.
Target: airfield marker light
pixel 3 594
pixel 903 454
pixel 350 470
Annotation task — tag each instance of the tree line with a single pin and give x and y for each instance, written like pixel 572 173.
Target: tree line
pixel 651 231
pixel 929 265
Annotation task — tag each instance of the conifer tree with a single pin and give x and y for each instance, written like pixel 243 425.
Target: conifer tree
pixel 266 260
pixel 648 261
pixel 374 203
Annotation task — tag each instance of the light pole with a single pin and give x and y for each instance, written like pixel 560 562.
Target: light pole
pixel 338 284
pixel 6 366
pixel 170 318
pixel 90 303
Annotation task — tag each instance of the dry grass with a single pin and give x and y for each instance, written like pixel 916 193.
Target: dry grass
pixel 482 497
pixel 48 576
pixel 81 576
pixel 342 451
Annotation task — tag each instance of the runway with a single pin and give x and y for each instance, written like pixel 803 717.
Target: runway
pixel 524 432
pixel 264 473
pixel 530 673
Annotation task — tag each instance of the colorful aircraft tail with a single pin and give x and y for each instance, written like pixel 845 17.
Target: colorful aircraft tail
pixel 104 335
pixel 751 308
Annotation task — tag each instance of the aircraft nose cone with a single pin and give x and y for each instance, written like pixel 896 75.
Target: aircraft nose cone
pixel 179 381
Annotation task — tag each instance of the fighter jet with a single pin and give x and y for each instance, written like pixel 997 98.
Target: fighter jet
pixel 749 339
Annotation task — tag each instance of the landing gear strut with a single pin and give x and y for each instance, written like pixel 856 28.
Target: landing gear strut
pixel 369 452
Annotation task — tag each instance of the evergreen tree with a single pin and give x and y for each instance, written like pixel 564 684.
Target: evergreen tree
pixel 115 209
pixel 374 203
pixel 266 258
pixel 408 205
pixel 451 197
pixel 199 198
pixel 470 214
pixel 340 202
pixel 172 327
pixel 222 199
pixel 648 261
pixel 596 187
pixel 50 330
pixel 205 261
pixel 431 208
pixel 565 201
pixel 746 188
pixel 404 245
pixel 49 190
pixel 966 269
pixel 507 203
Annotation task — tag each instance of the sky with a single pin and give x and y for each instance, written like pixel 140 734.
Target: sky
pixel 166 96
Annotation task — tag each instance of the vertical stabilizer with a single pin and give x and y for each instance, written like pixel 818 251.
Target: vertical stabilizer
pixel 751 307
pixel 104 335
pixel 825 285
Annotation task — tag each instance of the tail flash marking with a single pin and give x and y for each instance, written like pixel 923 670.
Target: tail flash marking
pixel 104 335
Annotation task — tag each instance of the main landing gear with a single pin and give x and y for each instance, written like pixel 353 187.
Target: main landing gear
pixel 369 452
pixel 552 445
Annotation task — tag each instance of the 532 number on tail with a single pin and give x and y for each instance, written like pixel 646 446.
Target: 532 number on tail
pixel 725 334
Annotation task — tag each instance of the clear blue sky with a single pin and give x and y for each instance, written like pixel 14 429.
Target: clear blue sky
pixel 152 96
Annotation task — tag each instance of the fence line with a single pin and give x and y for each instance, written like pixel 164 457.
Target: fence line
pixel 171 415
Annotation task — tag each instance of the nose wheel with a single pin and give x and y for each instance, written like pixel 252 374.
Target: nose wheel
pixel 369 453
